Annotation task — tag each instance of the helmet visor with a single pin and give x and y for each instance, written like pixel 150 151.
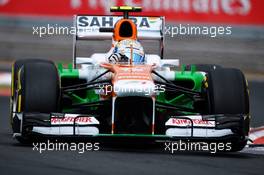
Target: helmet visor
pixel 136 57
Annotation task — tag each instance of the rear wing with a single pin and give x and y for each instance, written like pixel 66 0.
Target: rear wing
pixel 87 28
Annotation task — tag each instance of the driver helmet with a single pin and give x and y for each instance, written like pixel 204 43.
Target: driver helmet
pixel 127 48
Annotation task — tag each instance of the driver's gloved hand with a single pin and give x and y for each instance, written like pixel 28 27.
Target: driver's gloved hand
pixel 117 57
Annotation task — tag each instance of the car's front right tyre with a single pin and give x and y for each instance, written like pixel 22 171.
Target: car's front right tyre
pixel 35 89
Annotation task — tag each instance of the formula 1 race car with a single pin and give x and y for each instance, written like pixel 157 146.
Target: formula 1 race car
pixel 126 93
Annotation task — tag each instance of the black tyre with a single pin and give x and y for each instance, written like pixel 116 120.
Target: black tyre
pixel 228 94
pixel 15 69
pixel 38 84
pixel 17 65
pixel 40 89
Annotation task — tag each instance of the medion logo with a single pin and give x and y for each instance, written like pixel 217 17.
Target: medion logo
pixel 108 21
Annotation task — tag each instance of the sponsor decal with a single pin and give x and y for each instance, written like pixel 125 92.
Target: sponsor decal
pixel 89 25
pixel 109 21
pixel 133 73
pixel 212 11
pixel 186 122
pixel 80 120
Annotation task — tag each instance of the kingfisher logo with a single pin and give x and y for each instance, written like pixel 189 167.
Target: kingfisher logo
pixel 71 119
pixel 193 120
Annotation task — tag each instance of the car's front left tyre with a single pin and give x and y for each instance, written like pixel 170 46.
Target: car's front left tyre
pixel 228 94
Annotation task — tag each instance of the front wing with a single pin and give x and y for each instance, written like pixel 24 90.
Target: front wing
pixel 193 127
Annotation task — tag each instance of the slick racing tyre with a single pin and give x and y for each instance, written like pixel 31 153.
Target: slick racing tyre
pixel 36 88
pixel 40 89
pixel 228 94
pixel 15 68
pixel 17 65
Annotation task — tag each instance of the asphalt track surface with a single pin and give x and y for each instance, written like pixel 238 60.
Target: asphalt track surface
pixel 19 159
